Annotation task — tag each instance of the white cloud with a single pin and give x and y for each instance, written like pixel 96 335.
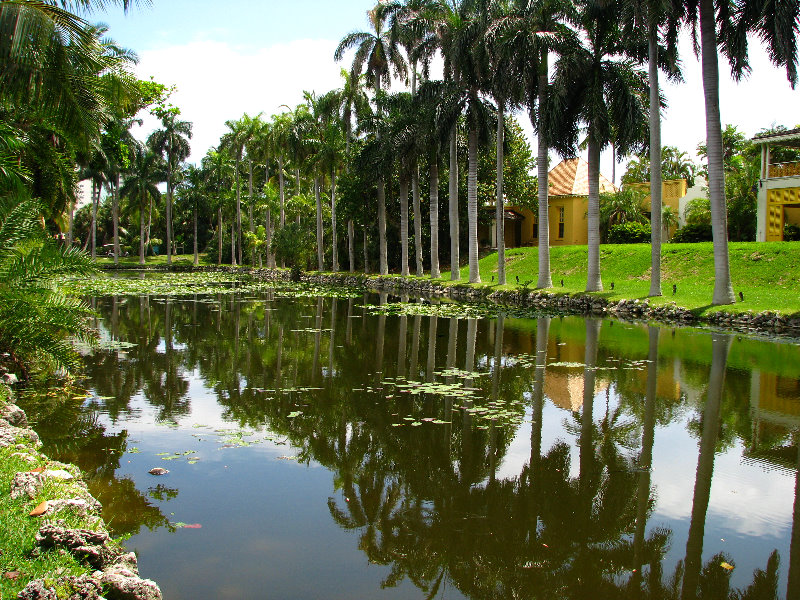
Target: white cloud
pixel 216 82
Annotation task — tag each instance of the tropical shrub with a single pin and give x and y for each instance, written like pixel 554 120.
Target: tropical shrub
pixel 38 322
pixel 692 233
pixel 294 246
pixel 630 233
pixel 791 233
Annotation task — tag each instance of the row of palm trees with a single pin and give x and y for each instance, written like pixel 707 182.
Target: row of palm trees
pixel 575 66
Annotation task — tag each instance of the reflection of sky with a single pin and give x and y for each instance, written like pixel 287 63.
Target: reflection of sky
pixel 751 506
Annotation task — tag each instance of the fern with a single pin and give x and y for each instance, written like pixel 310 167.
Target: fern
pixel 38 322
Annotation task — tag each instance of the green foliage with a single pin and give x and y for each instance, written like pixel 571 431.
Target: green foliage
pixel 693 233
pixel 630 233
pixel 293 245
pixel 698 212
pixel 37 320
pixel 791 233
pixel 616 208
pixel 675 164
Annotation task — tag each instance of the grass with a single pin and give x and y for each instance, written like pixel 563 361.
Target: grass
pixel 160 260
pixel 20 560
pixel 768 274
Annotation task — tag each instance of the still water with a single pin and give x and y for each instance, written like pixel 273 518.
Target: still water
pixel 317 448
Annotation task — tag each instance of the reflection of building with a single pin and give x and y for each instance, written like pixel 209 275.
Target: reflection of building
pixel 564 385
pixel 778 187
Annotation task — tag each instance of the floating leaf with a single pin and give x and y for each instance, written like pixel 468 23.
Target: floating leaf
pixel 726 566
pixel 294 413
pixel 39 510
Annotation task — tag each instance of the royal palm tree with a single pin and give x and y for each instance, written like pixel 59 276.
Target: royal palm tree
pixel 236 140
pixel 171 142
pixel 141 187
pixel 376 56
pixel 532 30
pixel 726 26
pixel 593 85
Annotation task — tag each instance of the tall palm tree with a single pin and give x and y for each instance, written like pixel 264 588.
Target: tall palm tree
pixel 281 127
pixel 532 30
pixel 595 86
pixel 218 166
pixel 376 55
pixel 141 187
pixel 409 25
pixel 657 19
pixel 726 26
pixel 470 60
pixel 171 142
pixel 236 140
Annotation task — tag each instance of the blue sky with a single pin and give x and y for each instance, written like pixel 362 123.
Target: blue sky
pixel 227 58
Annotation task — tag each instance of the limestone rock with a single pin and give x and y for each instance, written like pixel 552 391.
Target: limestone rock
pixel 124 584
pixel 14 415
pixel 9 435
pixel 36 590
pixel 26 484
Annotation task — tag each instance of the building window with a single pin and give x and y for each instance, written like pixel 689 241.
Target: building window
pixel 561 222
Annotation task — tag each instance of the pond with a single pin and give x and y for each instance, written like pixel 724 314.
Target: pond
pixel 325 447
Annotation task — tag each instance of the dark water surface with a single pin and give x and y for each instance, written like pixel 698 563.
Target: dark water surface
pixel 319 450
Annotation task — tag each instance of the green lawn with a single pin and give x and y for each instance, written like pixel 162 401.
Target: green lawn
pixel 160 260
pixel 768 274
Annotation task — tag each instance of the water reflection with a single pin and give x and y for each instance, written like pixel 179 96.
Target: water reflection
pixel 422 422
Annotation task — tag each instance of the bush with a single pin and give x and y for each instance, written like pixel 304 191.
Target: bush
pixel 629 233
pixel 692 233
pixel 791 233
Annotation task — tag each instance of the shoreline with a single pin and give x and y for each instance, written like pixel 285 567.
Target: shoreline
pixel 579 304
pixel 53 498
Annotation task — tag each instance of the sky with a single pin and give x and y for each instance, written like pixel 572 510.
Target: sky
pixel 228 58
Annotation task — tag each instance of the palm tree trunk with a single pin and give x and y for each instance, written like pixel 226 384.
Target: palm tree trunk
pixel 196 260
pixel 268 232
pixel 238 215
pixel 141 237
pixel 655 165
pixel 434 200
pixel 723 289
pixel 472 206
pixel 251 224
pixel 499 210
pixel 220 230
pixel 233 242
pixel 320 257
pixel 417 219
pixel 70 224
pixel 384 262
pixel 281 191
pixel 366 263
pixel 403 223
pixel 455 274
pixel 95 201
pixel 115 215
pixel 334 241
pixel 593 281
pixel 544 280
pixel 169 203
pixel 351 255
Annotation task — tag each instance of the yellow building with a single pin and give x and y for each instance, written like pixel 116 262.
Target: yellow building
pixel 672 190
pixel 778 187
pixel 568 207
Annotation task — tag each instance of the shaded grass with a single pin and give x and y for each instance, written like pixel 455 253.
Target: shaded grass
pixel 767 273
pixel 18 532
pixel 160 260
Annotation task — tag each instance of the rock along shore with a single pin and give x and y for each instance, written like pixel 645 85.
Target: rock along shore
pixel 113 573
pixel 767 322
